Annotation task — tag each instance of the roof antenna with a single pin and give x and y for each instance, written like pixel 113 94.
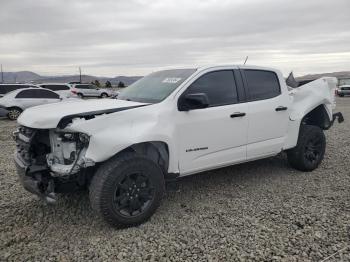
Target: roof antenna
pixel 246 59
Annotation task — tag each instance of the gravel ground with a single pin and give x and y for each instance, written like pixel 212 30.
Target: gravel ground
pixel 260 211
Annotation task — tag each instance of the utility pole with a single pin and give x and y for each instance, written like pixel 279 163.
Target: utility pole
pixel 79 74
pixel 2 75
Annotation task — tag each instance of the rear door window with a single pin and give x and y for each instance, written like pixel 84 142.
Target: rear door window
pixel 56 87
pixel 46 94
pixel 262 84
pixel 30 93
pixel 85 87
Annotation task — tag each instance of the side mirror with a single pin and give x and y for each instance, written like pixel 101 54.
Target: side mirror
pixel 193 101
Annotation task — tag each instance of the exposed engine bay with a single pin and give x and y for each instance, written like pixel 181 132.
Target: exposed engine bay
pixel 51 160
pixel 67 153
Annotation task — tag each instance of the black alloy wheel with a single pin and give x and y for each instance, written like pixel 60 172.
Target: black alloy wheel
pixel 133 194
pixel 313 150
pixel 127 189
pixel 309 151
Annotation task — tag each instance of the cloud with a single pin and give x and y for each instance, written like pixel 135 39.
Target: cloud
pixel 113 37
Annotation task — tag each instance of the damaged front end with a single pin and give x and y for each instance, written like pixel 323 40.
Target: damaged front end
pixel 51 161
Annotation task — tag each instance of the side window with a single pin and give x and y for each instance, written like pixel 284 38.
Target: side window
pixel 46 94
pixel 26 94
pixel 262 84
pixel 62 87
pixel 3 90
pixel 219 86
pixel 7 88
pixel 56 87
pixel 85 87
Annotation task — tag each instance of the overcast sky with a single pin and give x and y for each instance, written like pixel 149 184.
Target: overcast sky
pixel 135 37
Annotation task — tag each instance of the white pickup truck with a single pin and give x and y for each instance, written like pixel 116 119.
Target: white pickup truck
pixel 170 124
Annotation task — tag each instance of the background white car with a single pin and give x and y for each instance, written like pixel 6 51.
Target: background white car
pixel 89 90
pixel 64 90
pixel 18 100
pixel 343 90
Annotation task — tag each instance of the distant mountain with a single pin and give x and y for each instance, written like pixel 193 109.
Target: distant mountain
pixel 343 74
pixel 128 80
pixel 22 76
pixel 27 76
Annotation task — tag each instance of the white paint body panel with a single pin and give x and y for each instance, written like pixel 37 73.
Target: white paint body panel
pixel 304 99
pixel 261 133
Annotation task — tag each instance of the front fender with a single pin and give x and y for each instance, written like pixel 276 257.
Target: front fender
pixel 110 134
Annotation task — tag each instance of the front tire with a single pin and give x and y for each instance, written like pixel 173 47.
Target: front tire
pixel 127 189
pixel 309 151
pixel 14 113
pixel 104 95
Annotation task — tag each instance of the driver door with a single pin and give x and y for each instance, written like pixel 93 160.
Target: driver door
pixel 214 136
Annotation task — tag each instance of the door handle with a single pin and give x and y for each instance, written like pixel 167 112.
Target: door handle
pixel 238 114
pixel 281 108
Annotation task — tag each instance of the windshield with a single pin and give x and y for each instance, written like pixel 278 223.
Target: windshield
pixel 156 86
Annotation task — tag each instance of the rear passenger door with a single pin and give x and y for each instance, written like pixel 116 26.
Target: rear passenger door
pixel 87 90
pixel 268 112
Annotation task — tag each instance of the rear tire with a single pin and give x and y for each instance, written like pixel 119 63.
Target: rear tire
pixel 14 113
pixel 80 95
pixel 127 189
pixel 104 95
pixel 309 151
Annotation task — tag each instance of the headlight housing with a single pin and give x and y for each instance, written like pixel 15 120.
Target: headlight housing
pixel 76 137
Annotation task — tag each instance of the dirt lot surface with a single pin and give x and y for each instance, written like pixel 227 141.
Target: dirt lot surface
pixel 260 211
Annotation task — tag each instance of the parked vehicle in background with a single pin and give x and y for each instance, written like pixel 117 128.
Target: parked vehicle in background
pixel 89 90
pixel 169 124
pixel 64 90
pixel 18 100
pixel 6 88
pixel 343 90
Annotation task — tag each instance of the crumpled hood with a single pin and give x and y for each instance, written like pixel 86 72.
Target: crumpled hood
pixel 50 115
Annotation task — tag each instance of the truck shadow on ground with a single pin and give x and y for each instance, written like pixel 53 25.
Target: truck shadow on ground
pixel 196 190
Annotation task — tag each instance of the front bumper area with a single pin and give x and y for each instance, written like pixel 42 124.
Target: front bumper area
pixel 33 179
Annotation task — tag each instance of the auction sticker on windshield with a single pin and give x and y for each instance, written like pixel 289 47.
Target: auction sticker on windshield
pixel 172 80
